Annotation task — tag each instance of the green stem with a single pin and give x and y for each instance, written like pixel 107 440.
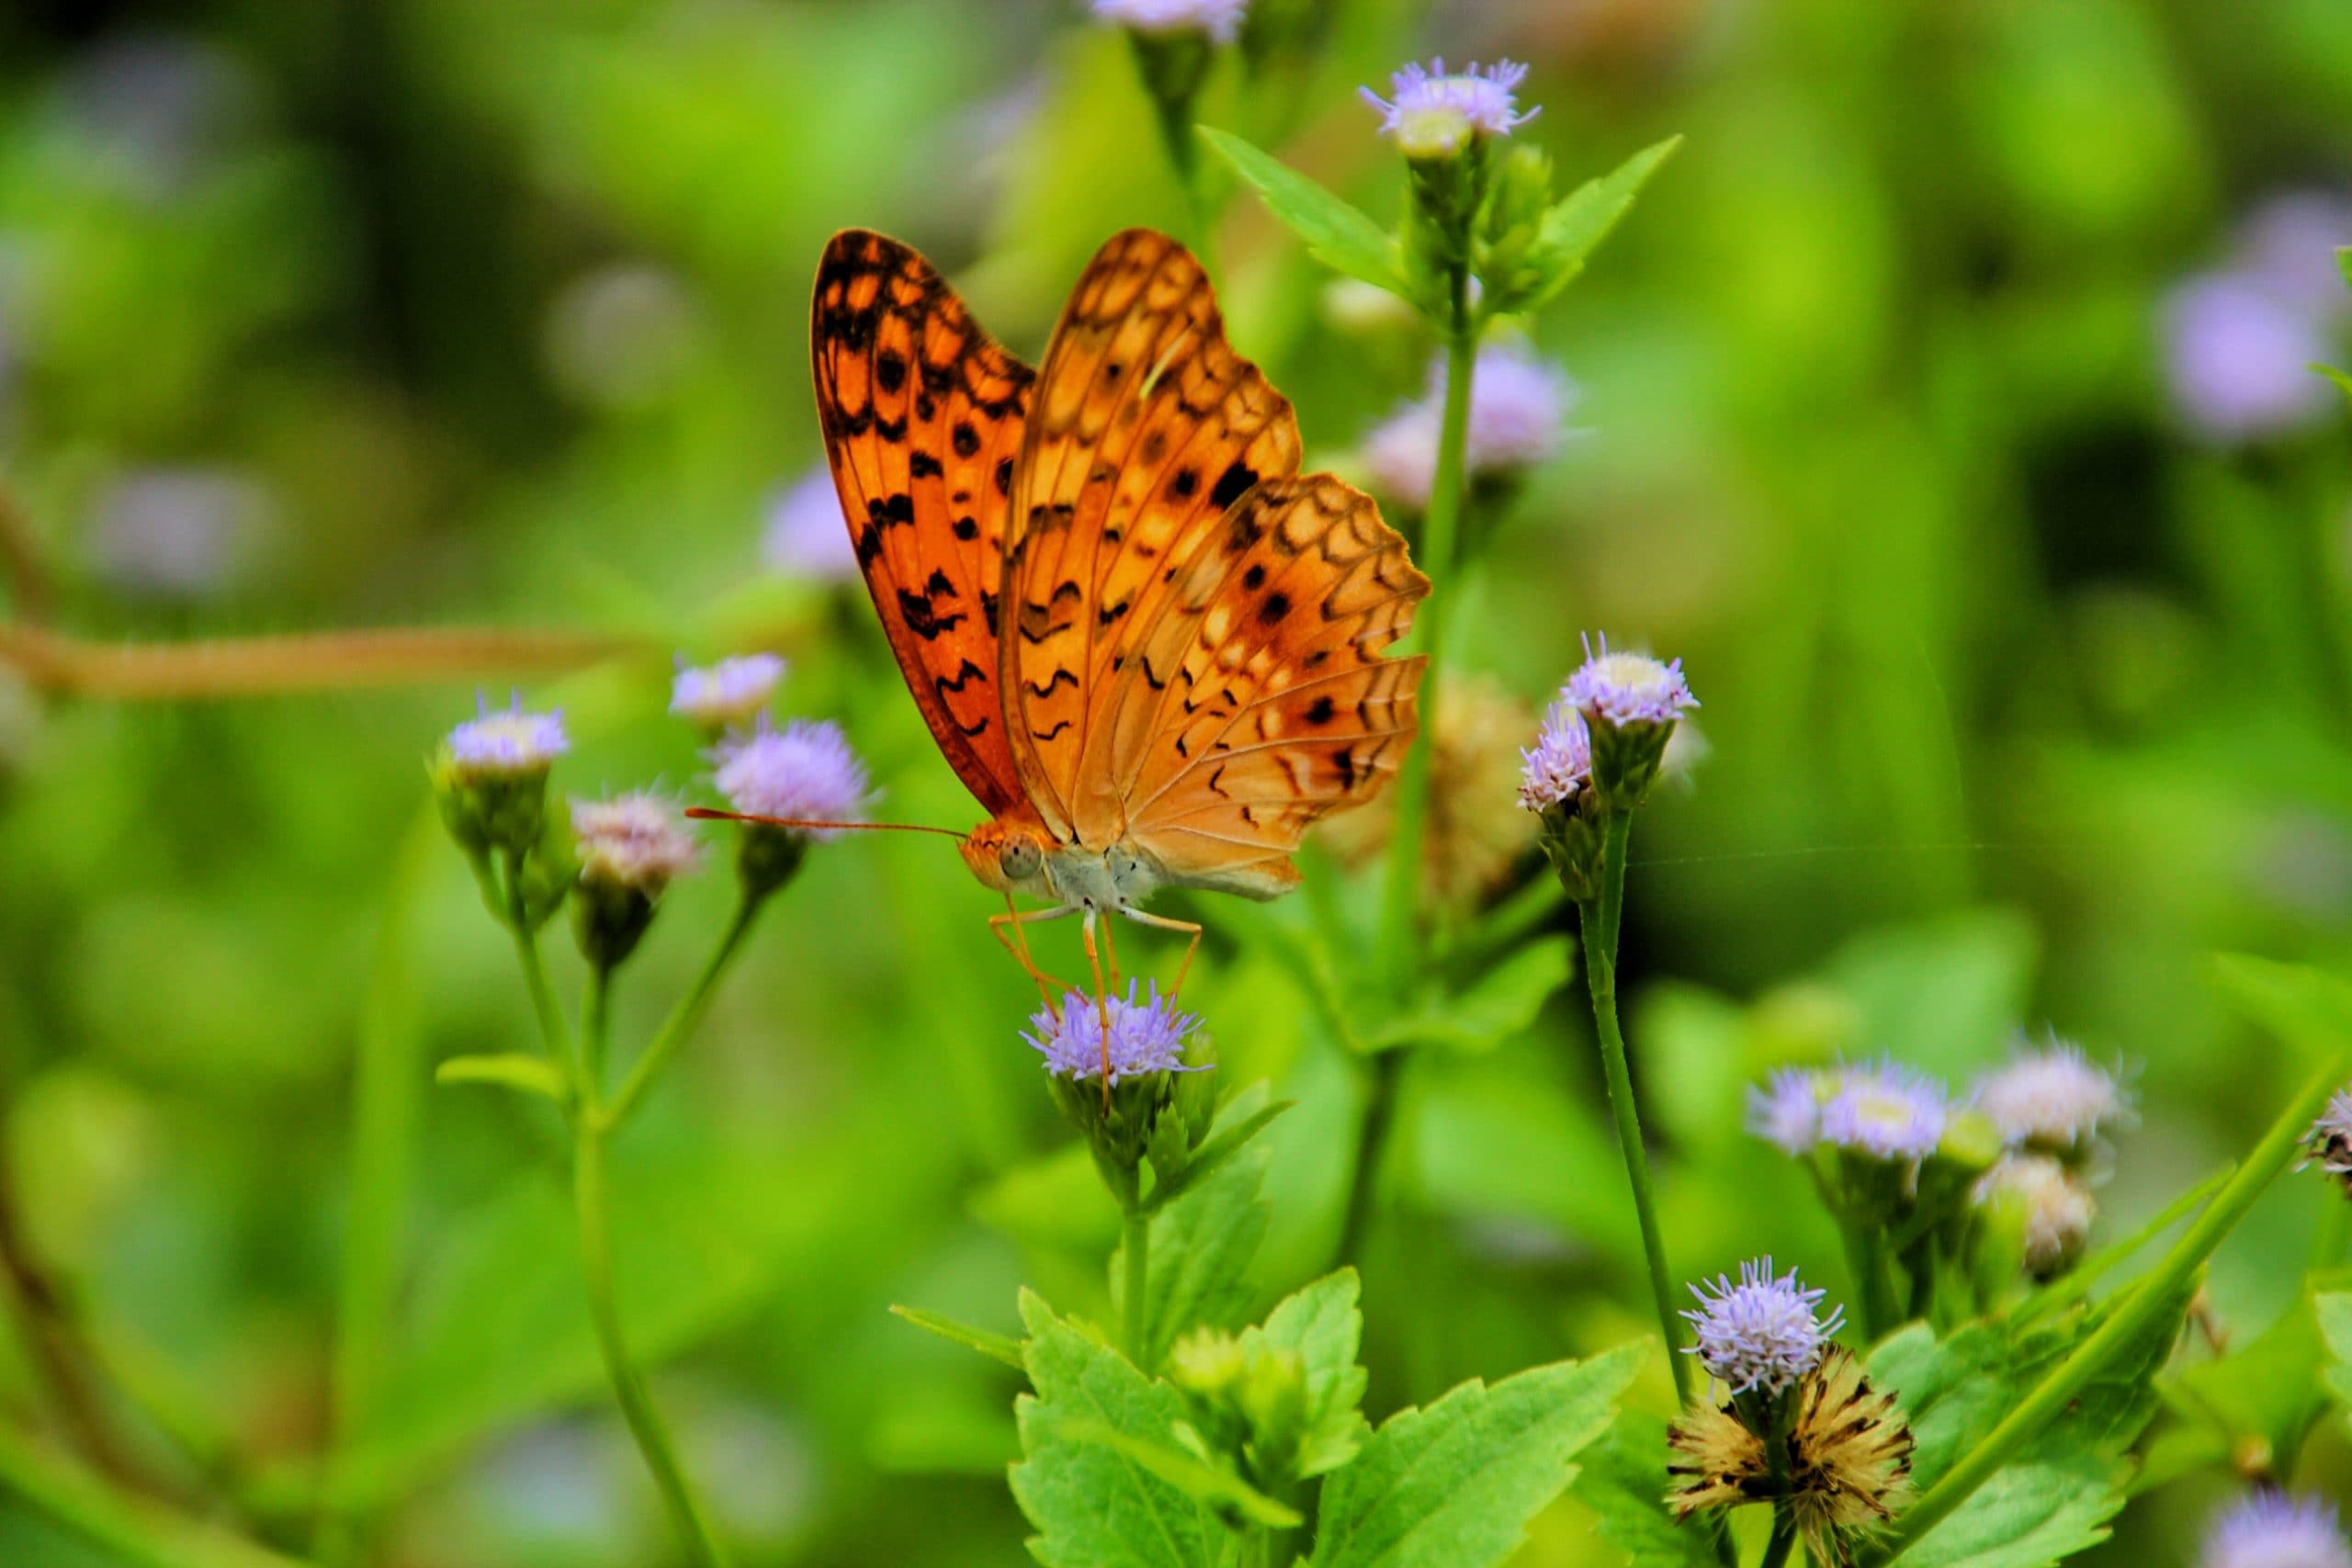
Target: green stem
pixel 1398 956
pixel 628 1384
pixel 132 1531
pixel 1600 922
pixel 1386 1069
pixel 1135 1249
pixel 682 1017
pixel 2127 1319
pixel 595 1029
pixel 535 971
pixel 1785 1535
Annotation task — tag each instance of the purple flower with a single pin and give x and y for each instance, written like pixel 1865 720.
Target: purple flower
pixel 1785 1109
pixel 2287 248
pixel 1887 1111
pixel 2274 1529
pixel 1619 688
pixel 2237 360
pixel 1220 19
pixel 1561 762
pixel 2054 1098
pixel 1434 114
pixel 180 533
pixel 507 745
pixel 1519 406
pixel 805 771
pixel 804 535
pixel 1761 1333
pixel 728 691
pixel 1146 1037
pixel 636 840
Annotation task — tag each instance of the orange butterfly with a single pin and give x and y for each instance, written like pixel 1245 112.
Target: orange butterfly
pixel 1145 641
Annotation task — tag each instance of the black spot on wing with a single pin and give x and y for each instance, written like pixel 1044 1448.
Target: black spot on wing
pixel 923 466
pixel 1233 484
pixel 1275 608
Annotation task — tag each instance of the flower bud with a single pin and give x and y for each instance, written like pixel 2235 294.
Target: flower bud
pixel 1630 704
pixel 2046 1205
pixel 1511 222
pixel 629 848
pixel 491 778
pixel 805 773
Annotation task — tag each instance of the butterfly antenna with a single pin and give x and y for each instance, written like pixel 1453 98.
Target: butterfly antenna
pixel 712 813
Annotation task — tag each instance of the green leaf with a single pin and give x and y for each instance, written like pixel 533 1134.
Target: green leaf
pixel 1576 224
pixel 1186 1471
pixel 1322 1323
pixel 2332 1314
pixel 1622 1480
pixel 1095 1506
pixel 1454 1485
pixel 512 1069
pixel 1338 235
pixel 2338 377
pixel 1230 1138
pixel 2056 1497
pixel 1203 1241
pixel 995 1347
pixel 1497 1004
pixel 2264 1390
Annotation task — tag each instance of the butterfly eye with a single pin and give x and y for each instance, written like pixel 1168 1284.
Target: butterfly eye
pixel 1019 859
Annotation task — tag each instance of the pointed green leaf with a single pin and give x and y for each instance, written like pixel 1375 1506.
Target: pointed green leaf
pixel 512 1069
pixel 1188 1472
pixel 2056 1496
pixel 1338 235
pixel 1454 1485
pixel 1576 224
pixel 1229 1139
pixel 995 1347
pixel 1095 1506
pixel 1321 1322
pixel 1622 1480
pixel 1203 1241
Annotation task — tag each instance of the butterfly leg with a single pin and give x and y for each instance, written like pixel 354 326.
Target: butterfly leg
pixel 1102 1005
pixel 1191 928
pixel 1017 944
pixel 1110 955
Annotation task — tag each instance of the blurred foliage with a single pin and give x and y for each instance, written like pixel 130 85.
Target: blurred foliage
pixel 2023 693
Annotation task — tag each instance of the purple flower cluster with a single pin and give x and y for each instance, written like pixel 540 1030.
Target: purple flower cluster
pixel 805 536
pixel 1433 113
pixel 509 744
pixel 636 840
pixel 2276 1529
pixel 727 693
pixel 1760 1333
pixel 1881 1109
pixel 1518 408
pixel 2239 341
pixel 1560 762
pixel 1629 688
pixel 1145 1036
pixel 1220 20
pixel 803 772
pixel 2055 1098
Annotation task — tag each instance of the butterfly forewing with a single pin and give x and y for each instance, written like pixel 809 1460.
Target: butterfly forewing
pixel 1145 427
pixel 922 415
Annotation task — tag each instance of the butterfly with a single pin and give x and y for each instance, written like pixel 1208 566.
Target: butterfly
pixel 1146 643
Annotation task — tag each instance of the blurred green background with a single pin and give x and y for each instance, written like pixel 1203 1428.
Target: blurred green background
pixel 1945 410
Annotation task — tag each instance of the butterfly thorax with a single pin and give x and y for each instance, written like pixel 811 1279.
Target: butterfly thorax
pixel 1011 855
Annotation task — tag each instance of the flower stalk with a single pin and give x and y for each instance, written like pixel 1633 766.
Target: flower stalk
pixel 1599 920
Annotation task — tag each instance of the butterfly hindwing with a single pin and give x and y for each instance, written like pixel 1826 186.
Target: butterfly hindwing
pixel 1144 427
pixel 1258 702
pixel 923 416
